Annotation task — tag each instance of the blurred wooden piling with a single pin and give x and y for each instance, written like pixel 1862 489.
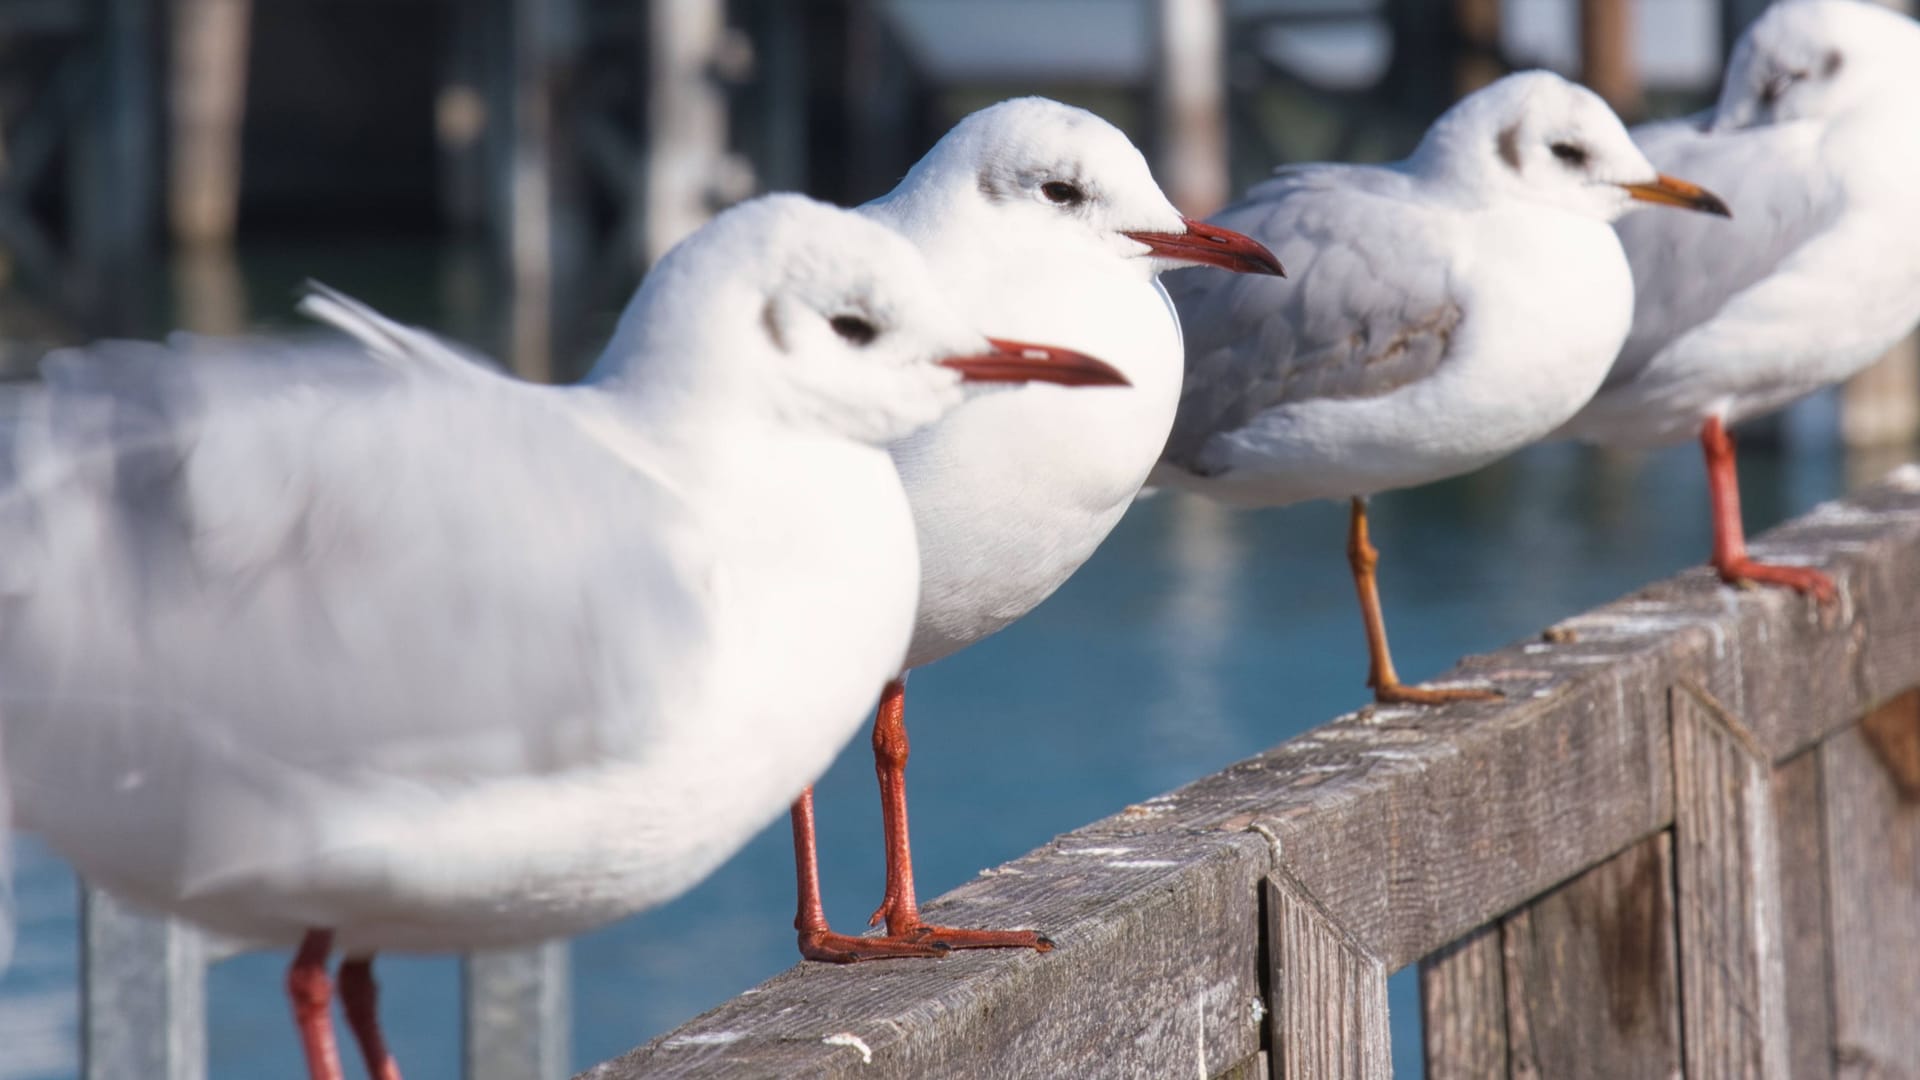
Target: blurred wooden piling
pixel 1687 843
pixel 1190 104
pixel 1477 62
pixel 1608 54
pixel 206 102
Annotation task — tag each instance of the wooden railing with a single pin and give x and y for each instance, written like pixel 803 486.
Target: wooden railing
pixel 1686 843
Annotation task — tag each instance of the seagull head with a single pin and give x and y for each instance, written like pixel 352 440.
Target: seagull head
pixel 1538 137
pixel 1032 172
pixel 1807 59
pixel 817 317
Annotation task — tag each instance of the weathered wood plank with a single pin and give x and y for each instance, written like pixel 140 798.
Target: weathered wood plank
pixel 1873 889
pixel 1464 812
pixel 1329 994
pixel 1591 984
pixel 1463 1008
pixel 1799 810
pixel 1409 827
pixel 1732 972
pixel 1155 973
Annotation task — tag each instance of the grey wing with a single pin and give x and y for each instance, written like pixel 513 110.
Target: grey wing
pixel 1687 267
pixel 1369 305
pixel 306 560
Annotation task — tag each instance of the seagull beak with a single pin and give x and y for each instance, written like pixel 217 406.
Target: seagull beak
pixel 1019 362
pixel 1673 191
pixel 1213 246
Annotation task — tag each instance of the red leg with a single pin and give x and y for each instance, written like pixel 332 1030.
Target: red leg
pixel 817 942
pixel 312 998
pixel 360 997
pixel 900 908
pixel 1729 535
pixel 1362 557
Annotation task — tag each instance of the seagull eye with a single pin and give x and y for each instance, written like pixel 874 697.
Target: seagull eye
pixel 1570 153
pixel 1062 193
pixel 854 329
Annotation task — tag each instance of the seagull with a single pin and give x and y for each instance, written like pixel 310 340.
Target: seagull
pixel 1445 310
pixel 1045 220
pixel 364 646
pixel 1815 139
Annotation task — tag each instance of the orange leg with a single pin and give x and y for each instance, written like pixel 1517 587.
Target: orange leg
pixel 360 997
pixel 1729 535
pixel 312 998
pixel 817 942
pixel 1387 687
pixel 900 909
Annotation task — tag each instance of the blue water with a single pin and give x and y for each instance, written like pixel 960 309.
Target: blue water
pixel 1195 637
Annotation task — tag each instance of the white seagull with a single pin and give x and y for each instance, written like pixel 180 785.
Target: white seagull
pixel 367 647
pixel 1815 139
pixel 1445 311
pixel 1045 220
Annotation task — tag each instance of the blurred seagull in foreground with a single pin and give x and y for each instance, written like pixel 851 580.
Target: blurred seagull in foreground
pixel 1816 139
pixel 1045 221
pixel 1446 310
pixel 367 647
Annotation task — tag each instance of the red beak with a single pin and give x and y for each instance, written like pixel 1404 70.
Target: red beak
pixel 1214 246
pixel 1018 362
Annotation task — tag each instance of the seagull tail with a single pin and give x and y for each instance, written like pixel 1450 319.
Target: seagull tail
pixel 395 344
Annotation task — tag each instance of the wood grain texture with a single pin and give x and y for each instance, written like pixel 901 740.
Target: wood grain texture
pixel 1592 990
pixel 1463 1009
pixel 1155 973
pixel 1409 827
pixel 1732 972
pixel 1799 816
pixel 1329 994
pixel 1873 865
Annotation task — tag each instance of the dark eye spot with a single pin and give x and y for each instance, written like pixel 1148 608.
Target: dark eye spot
pixel 1571 153
pixel 1831 66
pixel 1062 193
pixel 1777 87
pixel 855 329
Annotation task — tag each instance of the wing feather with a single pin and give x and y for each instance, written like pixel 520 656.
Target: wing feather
pixel 1688 268
pixel 1370 306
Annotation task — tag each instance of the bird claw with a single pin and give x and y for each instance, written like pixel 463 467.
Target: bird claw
pixel 1802 579
pixel 831 948
pixel 952 938
pixel 1401 694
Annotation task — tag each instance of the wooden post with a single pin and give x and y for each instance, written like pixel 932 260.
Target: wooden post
pixel 543 237
pixel 1799 816
pixel 1191 104
pixel 1881 405
pixel 687 168
pixel 1329 1012
pixel 1463 1007
pixel 206 105
pixel 1727 869
pixel 516 1004
pixel 1607 62
pixel 1870 781
pixel 1591 984
pixel 143 987
pixel 1477 63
